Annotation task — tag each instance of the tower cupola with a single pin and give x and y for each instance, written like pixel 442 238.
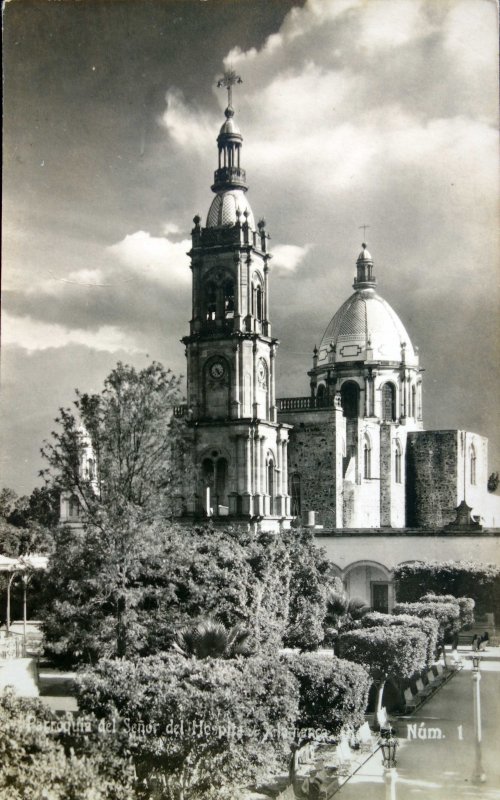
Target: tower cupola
pixel 229 174
pixel 365 279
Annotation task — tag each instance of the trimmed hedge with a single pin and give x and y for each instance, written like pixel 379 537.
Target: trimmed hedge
pixel 387 652
pixel 458 578
pixel 333 692
pixel 466 605
pixel 428 625
pixel 446 614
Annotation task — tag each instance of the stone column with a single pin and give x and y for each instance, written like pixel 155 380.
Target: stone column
pixel 235 384
pixel 271 387
pixel 367 395
pixel 247 503
pixel 255 405
pixel 263 476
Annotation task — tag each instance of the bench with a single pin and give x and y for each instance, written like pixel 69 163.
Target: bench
pixel 435 680
pixel 364 738
pixel 423 691
pixel 411 700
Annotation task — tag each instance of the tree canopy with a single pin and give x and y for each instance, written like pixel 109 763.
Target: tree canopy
pixel 386 652
pixel 123 447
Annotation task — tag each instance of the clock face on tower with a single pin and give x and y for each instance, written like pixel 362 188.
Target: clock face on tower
pixel 217 370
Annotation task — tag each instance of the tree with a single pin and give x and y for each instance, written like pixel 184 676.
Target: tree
pixel 493 481
pixel 311 575
pixel 386 652
pixel 124 448
pixel 25 522
pixel 112 592
pixel 42 756
pixel 446 614
pixel 333 693
pixel 209 638
pixel 213 725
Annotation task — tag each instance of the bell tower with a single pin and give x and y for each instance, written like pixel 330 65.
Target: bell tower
pixel 240 449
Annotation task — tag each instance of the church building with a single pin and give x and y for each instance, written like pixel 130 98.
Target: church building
pixel 350 454
pixel 351 458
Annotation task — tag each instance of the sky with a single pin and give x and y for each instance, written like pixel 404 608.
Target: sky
pixel 353 112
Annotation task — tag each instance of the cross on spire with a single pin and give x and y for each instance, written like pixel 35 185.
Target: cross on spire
pixel 364 230
pixel 228 80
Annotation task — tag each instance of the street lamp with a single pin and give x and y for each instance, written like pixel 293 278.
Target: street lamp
pixel 389 745
pixel 479 775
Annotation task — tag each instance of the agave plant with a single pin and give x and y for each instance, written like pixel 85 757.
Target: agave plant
pixel 210 638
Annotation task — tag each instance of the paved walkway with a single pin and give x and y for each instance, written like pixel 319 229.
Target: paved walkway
pixel 441 769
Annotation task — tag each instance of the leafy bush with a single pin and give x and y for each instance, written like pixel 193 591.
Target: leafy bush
pixel 333 692
pixel 472 579
pixel 211 725
pixel 36 763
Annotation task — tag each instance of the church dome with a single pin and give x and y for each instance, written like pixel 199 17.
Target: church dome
pixel 366 328
pixel 222 212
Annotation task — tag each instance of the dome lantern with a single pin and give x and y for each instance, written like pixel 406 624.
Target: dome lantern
pixel 365 279
pixel 229 174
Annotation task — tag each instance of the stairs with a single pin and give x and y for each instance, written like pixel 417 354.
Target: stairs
pixel 21 674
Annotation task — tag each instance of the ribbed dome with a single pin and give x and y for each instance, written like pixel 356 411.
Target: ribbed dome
pixel 230 127
pixel 222 212
pixel 366 322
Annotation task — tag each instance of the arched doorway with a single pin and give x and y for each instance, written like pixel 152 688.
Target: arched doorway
pixel 214 471
pixel 349 398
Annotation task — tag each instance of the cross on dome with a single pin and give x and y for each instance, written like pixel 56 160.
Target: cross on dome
pixel 228 80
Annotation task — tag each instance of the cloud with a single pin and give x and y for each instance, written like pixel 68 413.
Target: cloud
pixel 153 258
pixel 287 257
pixel 34 335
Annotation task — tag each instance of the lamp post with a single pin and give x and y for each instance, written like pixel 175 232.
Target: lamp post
pixel 479 775
pixel 389 745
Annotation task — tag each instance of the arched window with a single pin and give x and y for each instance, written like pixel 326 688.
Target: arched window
pixel 258 303
pixel 296 503
pixel 388 402
pixel 321 395
pixel 367 458
pixel 211 300
pixel 74 506
pixel 349 398
pixel 472 459
pixel 90 469
pixel 397 464
pixel 229 299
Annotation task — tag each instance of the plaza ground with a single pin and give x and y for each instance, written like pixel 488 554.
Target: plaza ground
pixel 442 769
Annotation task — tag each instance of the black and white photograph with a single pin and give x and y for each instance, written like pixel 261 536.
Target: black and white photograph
pixel 250 459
